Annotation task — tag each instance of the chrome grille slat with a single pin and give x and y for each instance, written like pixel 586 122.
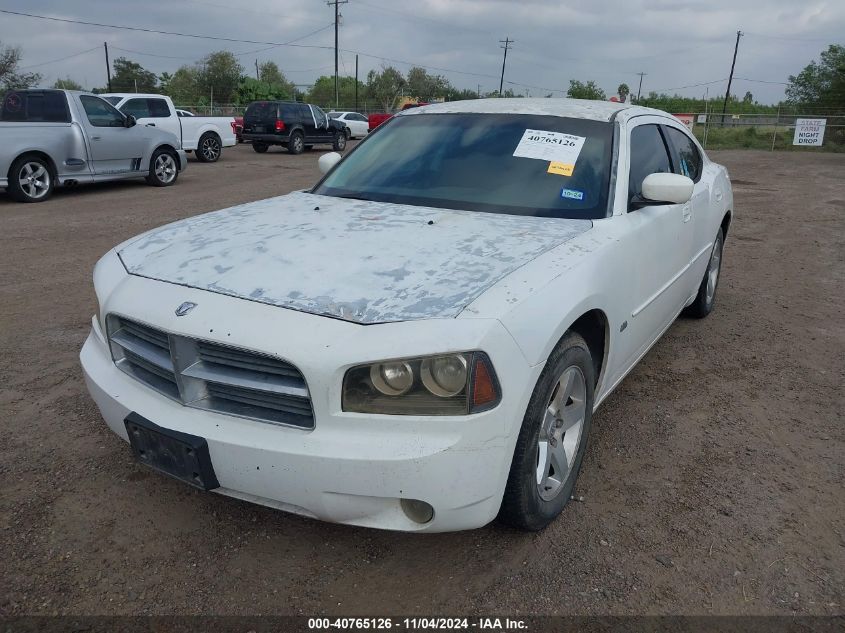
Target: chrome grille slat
pixel 210 376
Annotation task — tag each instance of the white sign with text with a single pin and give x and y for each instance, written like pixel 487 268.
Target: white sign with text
pixel 809 132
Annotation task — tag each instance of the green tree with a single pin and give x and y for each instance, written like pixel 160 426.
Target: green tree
pixel 322 92
pixel 453 94
pixel 11 77
pixel 250 90
pixel 748 98
pixel 129 76
pixel 219 73
pixel 581 90
pixel 385 86
pixel 623 91
pixel 821 84
pixel 426 87
pixel 184 86
pixel 67 84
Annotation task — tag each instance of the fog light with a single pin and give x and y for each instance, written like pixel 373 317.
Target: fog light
pixel 417 511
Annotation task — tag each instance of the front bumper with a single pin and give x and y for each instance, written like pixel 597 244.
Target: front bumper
pixel 351 468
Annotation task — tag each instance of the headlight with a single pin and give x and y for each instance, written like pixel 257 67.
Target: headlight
pixel 446 384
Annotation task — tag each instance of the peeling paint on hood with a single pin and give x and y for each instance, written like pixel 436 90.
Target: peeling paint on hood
pixel 361 261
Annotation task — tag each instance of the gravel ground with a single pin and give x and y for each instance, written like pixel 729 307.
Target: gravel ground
pixel 713 483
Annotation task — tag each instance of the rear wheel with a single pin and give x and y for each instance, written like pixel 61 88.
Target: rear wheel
pixel 260 147
pixel 30 180
pixel 553 438
pixel 296 143
pixel 348 133
pixel 339 143
pixel 706 297
pixel 164 168
pixel 210 148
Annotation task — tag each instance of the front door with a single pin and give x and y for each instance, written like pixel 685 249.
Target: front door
pixel 322 131
pixel 115 149
pixel 659 247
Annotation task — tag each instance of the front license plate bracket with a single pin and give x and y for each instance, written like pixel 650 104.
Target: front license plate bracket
pixel 179 455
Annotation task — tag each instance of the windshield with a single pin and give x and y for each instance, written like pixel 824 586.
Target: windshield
pixel 497 163
pixel 112 100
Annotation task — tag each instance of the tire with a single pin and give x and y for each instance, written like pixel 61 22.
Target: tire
pixel 209 148
pixel 260 148
pixel 296 143
pixel 348 133
pixel 339 142
pixel 527 503
pixel 164 168
pixel 31 179
pixel 706 297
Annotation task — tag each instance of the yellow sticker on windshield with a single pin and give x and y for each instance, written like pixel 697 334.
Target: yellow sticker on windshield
pixel 561 169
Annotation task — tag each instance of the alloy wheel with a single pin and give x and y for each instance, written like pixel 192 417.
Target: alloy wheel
pixel 34 180
pixel 210 149
pixel 560 432
pixel 165 168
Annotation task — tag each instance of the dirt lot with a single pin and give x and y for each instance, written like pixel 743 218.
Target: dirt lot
pixel 713 483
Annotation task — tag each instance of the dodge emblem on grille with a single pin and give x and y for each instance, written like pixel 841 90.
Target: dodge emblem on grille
pixel 186 307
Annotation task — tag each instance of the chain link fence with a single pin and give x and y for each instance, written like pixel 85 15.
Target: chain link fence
pixel 771 131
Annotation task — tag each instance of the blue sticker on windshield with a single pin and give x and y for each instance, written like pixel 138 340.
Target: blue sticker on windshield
pixel 572 194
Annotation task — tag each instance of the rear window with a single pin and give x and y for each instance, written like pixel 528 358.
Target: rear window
pixel 42 106
pixel 260 111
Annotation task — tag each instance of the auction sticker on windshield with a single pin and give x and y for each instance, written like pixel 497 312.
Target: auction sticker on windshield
pixel 555 147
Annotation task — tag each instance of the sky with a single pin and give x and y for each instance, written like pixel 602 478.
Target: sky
pixel 683 46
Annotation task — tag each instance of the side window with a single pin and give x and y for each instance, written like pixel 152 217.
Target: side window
pixel 158 108
pixel 648 156
pixel 320 117
pixel 100 113
pixel 359 117
pixel 688 160
pixel 138 108
pixel 290 113
pixel 304 114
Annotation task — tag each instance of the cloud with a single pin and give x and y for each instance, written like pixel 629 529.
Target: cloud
pixel 676 42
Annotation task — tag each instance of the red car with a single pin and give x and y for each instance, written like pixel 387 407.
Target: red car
pixel 238 128
pixel 375 120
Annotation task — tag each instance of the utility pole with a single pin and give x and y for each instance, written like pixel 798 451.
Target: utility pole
pixel 256 71
pixel 479 91
pixel 730 77
pixel 336 4
pixel 640 88
pixel 108 66
pixel 356 82
pixel 507 42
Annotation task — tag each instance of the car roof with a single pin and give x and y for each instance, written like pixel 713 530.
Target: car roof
pixel 570 108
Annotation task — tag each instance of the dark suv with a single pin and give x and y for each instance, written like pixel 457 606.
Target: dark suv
pixel 297 126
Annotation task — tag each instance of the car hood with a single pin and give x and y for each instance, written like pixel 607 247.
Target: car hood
pixel 361 261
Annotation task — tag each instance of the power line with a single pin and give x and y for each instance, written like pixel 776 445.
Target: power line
pixel 60 59
pixel 159 32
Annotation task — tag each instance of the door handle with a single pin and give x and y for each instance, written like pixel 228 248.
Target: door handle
pixel 151 124
pixel 95 138
pixel 687 212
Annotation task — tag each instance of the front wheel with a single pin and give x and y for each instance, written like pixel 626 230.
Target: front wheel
pixel 164 168
pixel 30 180
pixel 553 438
pixel 210 148
pixel 339 143
pixel 706 297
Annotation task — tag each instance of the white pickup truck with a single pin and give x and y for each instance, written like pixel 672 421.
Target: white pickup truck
pixel 207 135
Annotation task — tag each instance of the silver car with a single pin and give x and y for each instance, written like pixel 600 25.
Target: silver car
pixel 51 138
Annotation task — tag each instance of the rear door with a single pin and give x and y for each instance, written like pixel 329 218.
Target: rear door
pixel 153 112
pixel 308 122
pixel 115 149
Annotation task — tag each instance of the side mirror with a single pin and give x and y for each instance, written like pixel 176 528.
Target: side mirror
pixel 671 188
pixel 327 161
pixel 129 121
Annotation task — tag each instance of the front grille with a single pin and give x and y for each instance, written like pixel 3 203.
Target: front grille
pixel 210 376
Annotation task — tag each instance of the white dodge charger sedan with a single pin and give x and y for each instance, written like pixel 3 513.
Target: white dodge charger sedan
pixel 418 342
